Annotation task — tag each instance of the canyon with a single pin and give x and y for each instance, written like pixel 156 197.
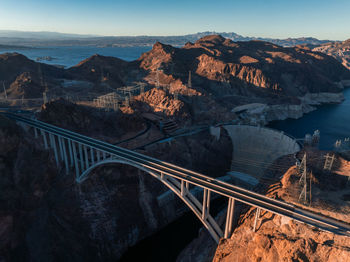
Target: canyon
pixel 252 82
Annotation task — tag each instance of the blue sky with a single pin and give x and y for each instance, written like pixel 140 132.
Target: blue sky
pixel 265 18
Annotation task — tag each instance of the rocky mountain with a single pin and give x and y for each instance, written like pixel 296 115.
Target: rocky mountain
pixel 23 77
pixel 224 74
pixel 217 63
pixel 339 50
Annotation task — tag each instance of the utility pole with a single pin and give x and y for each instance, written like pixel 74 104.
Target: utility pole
pixel 311 175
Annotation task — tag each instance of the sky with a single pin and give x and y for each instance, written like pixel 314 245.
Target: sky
pixel 261 18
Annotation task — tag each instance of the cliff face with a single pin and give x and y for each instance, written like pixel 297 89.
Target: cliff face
pixel 244 65
pixel 45 215
pixel 339 50
pixel 37 209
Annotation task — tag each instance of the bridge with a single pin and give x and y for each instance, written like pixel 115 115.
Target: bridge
pixel 82 154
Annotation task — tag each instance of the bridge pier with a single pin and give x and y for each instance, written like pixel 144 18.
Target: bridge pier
pixel 53 146
pixel 70 152
pixel 81 157
pixel 65 155
pixel 183 193
pixel 60 146
pixel 206 203
pixel 257 215
pixel 35 133
pixel 229 217
pixel 92 155
pixel 86 157
pixel 76 164
pixel 98 155
pixel 44 137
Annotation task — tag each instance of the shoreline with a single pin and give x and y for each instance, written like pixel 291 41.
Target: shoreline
pixel 263 114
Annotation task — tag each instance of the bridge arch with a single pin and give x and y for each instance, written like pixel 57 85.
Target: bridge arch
pixel 175 186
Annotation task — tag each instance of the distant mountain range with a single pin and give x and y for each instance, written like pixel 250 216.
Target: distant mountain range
pixel 339 50
pixel 40 35
pixel 38 39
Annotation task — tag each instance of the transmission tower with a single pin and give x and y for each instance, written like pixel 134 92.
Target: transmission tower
pixel 303 179
pixel 302 165
pixel 328 162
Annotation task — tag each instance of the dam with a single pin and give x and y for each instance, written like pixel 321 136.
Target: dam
pixel 256 148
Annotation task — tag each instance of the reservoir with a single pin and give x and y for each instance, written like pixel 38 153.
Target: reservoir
pixel 332 120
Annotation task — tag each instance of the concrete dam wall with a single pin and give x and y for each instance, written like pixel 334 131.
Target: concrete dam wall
pixel 255 148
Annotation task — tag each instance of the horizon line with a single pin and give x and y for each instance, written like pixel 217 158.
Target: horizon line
pixel 215 32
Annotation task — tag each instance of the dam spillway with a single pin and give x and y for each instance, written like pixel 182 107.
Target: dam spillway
pixel 256 148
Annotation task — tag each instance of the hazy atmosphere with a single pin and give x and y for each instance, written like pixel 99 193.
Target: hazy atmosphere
pixel 271 18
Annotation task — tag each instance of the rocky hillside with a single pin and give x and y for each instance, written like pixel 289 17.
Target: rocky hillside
pixel 339 50
pixel 218 65
pixel 46 216
pixel 282 239
pixel 23 77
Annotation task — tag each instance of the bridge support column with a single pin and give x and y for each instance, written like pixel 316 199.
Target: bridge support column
pixel 206 204
pixel 65 154
pixel 92 155
pixel 183 193
pixel 229 217
pixel 35 132
pixel 81 157
pixel 103 155
pixel 53 145
pixel 44 137
pixel 60 146
pixel 257 215
pixel 76 165
pixel 86 157
pixel 70 152
pixel 98 155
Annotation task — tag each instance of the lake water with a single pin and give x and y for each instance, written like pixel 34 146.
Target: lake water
pixel 332 120
pixel 71 55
